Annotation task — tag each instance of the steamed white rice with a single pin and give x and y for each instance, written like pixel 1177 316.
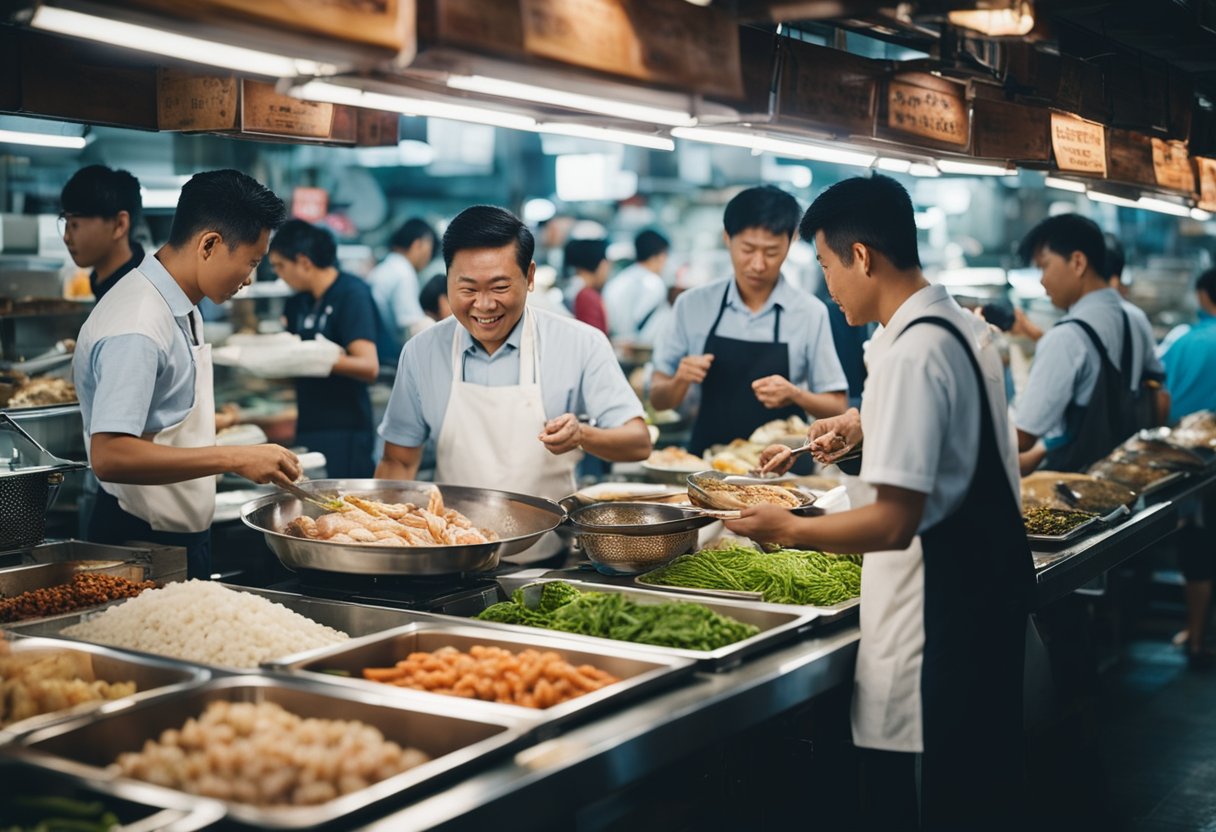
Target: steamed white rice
pixel 201 621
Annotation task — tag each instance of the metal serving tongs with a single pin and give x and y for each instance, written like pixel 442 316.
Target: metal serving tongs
pixel 765 471
pixel 335 503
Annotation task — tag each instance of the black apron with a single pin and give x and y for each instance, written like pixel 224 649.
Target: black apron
pixel 1094 430
pixel 978 584
pixel 729 407
pixel 109 523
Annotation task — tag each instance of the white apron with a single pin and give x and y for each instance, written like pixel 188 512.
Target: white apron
pixel 183 506
pixel 489 438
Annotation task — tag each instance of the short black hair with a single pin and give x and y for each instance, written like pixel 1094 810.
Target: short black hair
pixel 876 212
pixel 488 226
pixel 765 206
pixel 584 254
pixel 1115 259
pixel 434 289
pixel 297 237
pixel 99 191
pixel 411 230
pixel 1063 234
pixel 236 206
pixel 649 243
pixel 1206 283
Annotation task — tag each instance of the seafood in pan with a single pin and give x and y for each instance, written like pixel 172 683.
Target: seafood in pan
pixel 392 524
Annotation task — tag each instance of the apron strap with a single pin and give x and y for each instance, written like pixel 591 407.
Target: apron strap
pixel 721 308
pixel 777 323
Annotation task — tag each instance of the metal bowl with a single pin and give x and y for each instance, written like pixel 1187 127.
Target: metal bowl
pixel 520 520
pixel 705 499
pixel 624 554
pixel 635 519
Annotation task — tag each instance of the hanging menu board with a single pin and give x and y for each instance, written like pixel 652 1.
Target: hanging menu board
pixel 265 111
pixel 1172 165
pixel 665 41
pixel 1007 130
pixel 1207 183
pixel 932 109
pixel 1130 157
pixel 1079 145
pixel 827 88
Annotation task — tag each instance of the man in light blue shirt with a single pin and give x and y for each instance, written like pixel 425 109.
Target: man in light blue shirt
pixel 759 348
pixel 636 297
pixel 395 286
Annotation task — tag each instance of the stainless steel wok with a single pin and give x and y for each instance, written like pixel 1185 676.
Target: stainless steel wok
pixel 519 520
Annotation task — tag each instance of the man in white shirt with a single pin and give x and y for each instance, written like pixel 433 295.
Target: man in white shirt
pixel 636 297
pixel 395 285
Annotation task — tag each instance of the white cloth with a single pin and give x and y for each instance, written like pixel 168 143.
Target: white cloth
pixel 920 417
pixel 282 357
pixel 395 288
pixel 183 506
pixel 489 438
pixel 634 299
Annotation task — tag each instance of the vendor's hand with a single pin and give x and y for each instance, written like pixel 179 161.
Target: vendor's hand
pixel 266 463
pixel 1023 326
pixel 765 523
pixel 835 436
pixel 774 391
pixel 693 368
pixel 227 416
pixel 775 459
pixel 562 435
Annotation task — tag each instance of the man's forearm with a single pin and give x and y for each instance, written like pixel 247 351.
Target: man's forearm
pixel 821 405
pixel 628 443
pixel 666 392
pixel 877 527
pixel 399 466
pixel 134 461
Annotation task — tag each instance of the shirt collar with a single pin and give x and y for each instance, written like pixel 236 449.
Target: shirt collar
pixel 911 309
pixel 100 287
pixel 781 296
pixel 469 346
pixel 1102 297
pixel 159 277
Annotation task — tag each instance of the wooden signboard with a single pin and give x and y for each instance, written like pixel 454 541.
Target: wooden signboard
pixel 481 24
pixel 925 106
pixel 1005 130
pixel 1078 145
pixel 827 88
pixel 376 128
pixel 265 111
pixel 82 82
pixel 1130 157
pixel 1207 183
pixel 192 103
pixel 1172 165
pixel 1081 88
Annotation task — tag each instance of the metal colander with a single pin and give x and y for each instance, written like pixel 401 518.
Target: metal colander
pixel 630 554
pixel 29 482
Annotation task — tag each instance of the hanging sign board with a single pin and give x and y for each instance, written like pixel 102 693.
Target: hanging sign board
pixel 1130 157
pixel 1007 130
pixel 1079 145
pixel 934 110
pixel 827 88
pixel 1172 165
pixel 265 111
pixel 1207 183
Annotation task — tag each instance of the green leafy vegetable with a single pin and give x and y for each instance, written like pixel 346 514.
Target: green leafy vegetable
pixel 786 576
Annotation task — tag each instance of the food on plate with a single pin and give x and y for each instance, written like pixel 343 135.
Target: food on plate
pixel 739 457
pixel 1051 522
pixel 786 576
pixel 613 615
pixel 531 678
pixel 673 457
pixel 1156 453
pixel 44 681
pixel 201 621
pixel 778 430
pixel 264 755
pixel 1046 489
pixel 1198 430
pixel 42 391
pixel 392 524
pixel 34 813
pixel 729 495
pixel 86 589
pixel 1135 476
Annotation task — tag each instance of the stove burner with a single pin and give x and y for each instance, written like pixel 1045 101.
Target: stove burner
pixel 414 592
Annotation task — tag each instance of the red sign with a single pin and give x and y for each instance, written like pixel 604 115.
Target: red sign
pixel 309 204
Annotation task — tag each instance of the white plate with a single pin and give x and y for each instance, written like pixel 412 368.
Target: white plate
pixel 605 491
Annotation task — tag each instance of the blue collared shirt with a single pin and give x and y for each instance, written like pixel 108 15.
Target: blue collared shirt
pixel 1190 369
pixel 578 372
pixel 804 327
pixel 126 379
pixel 1065 367
pixel 394 284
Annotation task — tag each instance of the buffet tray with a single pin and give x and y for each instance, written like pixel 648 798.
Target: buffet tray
pixel 457 741
pixel 138 806
pixel 777 624
pixel 356 620
pixel 152 676
pixel 1091 526
pixel 15 580
pixel 639 673
pixel 823 615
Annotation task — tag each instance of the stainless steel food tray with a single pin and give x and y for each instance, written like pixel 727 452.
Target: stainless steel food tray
pixel 823 615
pixel 639 673
pixel 356 620
pixel 700 496
pixel 518 519
pixel 1090 526
pixel 457 742
pixel 152 676
pixel 777 624
pixel 139 807
pixel 15 580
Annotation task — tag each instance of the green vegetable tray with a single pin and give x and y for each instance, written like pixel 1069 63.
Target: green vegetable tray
pixel 823 614
pixel 776 623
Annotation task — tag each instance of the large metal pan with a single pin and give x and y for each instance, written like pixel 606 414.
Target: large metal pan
pixel 519 520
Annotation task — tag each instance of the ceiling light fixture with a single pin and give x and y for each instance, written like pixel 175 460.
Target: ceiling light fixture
pixel 973 168
pixel 893 165
pixel 1015 20
pixel 1162 206
pixel 549 97
pixel 338 94
pixel 779 147
pixel 608 134
pixel 56 140
pixel 1200 215
pixel 169 44
pixel 924 169
pixel 1111 199
pixel 1064 184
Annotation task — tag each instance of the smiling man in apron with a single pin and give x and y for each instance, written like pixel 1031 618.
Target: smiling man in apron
pixel 143 374
pixel 760 348
pixel 947 574
pixel 500 384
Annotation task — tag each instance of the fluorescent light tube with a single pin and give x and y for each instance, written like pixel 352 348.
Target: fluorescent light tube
pixel 779 147
pixel 549 97
pixel 1162 206
pixel 57 140
pixel 606 134
pixel 338 94
pixel 1064 184
pixel 893 165
pixel 1015 21
pixel 924 169
pixel 1200 215
pixel 973 168
pixel 160 42
pixel 160 197
pixel 1111 199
